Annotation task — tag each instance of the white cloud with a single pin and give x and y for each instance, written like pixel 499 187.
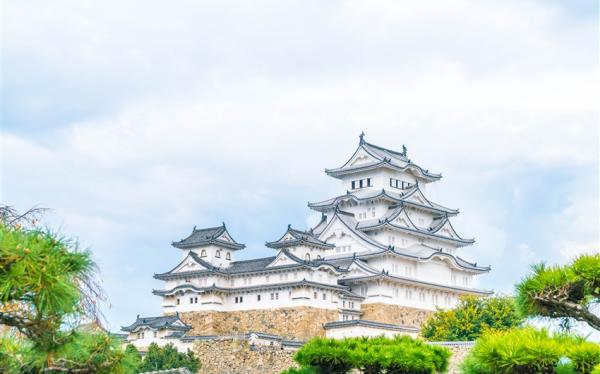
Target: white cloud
pixel 170 116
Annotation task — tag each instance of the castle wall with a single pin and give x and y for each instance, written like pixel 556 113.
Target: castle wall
pixel 394 314
pixel 239 357
pixel 300 323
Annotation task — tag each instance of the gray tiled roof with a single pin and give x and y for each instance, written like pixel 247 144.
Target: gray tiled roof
pixel 246 266
pixel 362 322
pixel 370 194
pixel 206 236
pixel 383 158
pixel 157 323
pixel 350 222
pixel 302 283
pixel 299 237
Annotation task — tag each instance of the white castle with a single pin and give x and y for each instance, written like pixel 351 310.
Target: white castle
pixel 381 259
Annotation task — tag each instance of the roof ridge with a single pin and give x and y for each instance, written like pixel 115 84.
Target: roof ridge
pixel 254 259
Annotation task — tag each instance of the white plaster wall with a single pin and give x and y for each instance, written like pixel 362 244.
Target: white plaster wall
pixel 408 295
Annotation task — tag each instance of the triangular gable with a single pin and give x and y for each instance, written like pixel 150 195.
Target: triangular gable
pixel 403 220
pixel 358 267
pixel 286 237
pixel 417 197
pixel 446 229
pixel 179 323
pixel 337 227
pixel 188 264
pixel 226 237
pixel 360 157
pixel 281 259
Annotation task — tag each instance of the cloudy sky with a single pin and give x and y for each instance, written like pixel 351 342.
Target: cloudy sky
pixel 135 120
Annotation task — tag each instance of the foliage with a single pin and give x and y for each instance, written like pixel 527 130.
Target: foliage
pixel 528 350
pixel 167 357
pixel 302 370
pixel 564 292
pixel 472 317
pixel 397 355
pixel 46 287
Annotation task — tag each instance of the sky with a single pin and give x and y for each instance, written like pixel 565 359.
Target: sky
pixel 134 121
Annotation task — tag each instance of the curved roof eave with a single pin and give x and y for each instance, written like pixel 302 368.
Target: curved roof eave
pixel 331 203
pixel 301 283
pixel 415 281
pixel 339 172
pixel 421 232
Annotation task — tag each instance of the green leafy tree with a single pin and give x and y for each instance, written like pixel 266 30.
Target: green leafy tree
pixel 528 350
pixel 46 287
pixel 167 357
pixel 564 292
pixel 471 318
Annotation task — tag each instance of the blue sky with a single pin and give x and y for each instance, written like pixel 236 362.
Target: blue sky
pixel 135 121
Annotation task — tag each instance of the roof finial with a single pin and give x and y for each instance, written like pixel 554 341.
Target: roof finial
pixel 362 137
pixel 289 226
pixel 403 150
pixel 223 223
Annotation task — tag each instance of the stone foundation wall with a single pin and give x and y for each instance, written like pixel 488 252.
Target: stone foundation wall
pixel 236 357
pixel 299 323
pixel 395 314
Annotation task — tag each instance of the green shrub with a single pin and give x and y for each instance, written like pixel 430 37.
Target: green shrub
pixel 529 350
pixel 584 356
pixel 399 355
pixel 596 369
pixel 472 317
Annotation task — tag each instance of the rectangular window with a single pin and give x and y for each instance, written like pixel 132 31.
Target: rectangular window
pixel 368 182
pixel 257 297
pixel 155 334
pixel 353 185
pixel 324 296
pixel 195 300
pixel 241 299
pixel 178 301
pixel 276 295
pixel 191 300
pixel 272 297
pixel 236 300
pixel 314 295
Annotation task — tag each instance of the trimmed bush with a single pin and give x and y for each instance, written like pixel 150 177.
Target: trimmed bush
pixel 472 317
pixel 399 355
pixel 529 350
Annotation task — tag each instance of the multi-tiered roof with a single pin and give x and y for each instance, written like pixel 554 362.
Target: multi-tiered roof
pixel 382 158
